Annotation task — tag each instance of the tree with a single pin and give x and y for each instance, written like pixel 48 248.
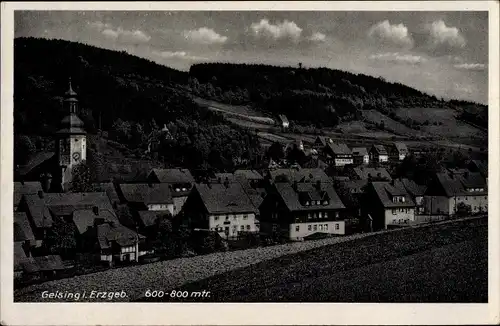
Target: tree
pixel 23 149
pixel 82 176
pixel 463 209
pixel 61 238
pixel 164 238
pixel 276 151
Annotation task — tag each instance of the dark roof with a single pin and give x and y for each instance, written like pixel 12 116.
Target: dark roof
pixel 149 218
pixel 223 177
pixel 481 166
pixel 110 190
pixel 34 161
pixel 49 263
pixel 63 204
pixel 339 149
pixel 71 124
pixel 249 174
pixel 380 149
pixel 25 188
pixel 85 219
pixel 385 191
pixel 301 175
pixel 365 172
pixel 158 193
pixel 323 140
pixel 412 187
pixel 291 198
pixel 219 199
pixel 458 185
pixel 107 234
pixel 19 255
pixel 359 151
pixel 22 227
pixel 173 175
pixel 355 186
pixel 401 147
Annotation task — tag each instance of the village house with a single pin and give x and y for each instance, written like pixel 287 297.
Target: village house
pixel 116 243
pixel 388 204
pixel 110 189
pixel 299 175
pixel 360 156
pixel 144 196
pixel 398 151
pixel 446 191
pixel 321 142
pixel 367 173
pixel 42 209
pixel 338 154
pixel 416 192
pixel 299 210
pixel 221 207
pixel 253 177
pixel 378 154
pixel 283 121
pixel 38 267
pixel 25 188
pixel 180 181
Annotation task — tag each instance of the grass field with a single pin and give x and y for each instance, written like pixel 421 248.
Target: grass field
pixel 441 264
pixel 238 111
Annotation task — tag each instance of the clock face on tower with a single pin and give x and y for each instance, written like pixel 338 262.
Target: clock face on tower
pixel 76 156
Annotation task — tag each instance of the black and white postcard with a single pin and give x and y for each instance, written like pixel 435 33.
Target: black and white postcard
pixel 290 163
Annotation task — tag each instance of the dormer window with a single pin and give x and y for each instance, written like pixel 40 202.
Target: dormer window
pixel 184 189
pixel 325 202
pixel 307 203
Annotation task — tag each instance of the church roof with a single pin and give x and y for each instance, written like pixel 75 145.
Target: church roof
pixel 71 124
pixel 70 92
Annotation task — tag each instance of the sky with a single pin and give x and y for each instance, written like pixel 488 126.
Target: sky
pixel 440 53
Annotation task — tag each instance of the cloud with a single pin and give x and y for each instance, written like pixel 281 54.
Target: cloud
pixel 317 37
pixel 471 66
pixel 177 55
pixel 286 30
pixel 398 58
pixel 204 35
pixel 387 33
pixel 441 35
pixel 120 33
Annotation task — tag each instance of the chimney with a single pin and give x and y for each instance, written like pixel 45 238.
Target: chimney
pixel 40 194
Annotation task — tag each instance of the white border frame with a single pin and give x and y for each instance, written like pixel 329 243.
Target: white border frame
pixel 250 314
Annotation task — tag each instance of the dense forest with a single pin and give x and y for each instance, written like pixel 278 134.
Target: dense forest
pixel 133 99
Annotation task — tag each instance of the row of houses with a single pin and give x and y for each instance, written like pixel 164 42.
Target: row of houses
pixel 339 154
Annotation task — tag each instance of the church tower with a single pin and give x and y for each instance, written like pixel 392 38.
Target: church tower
pixel 71 140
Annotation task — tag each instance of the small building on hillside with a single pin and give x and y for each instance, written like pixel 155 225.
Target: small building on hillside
pixel 283 121
pixel 152 196
pixel 116 243
pixel 299 175
pixel 180 181
pixel 398 151
pixel 388 204
pixel 378 154
pixel 360 156
pixel 221 207
pixel 338 154
pixel 298 210
pixel 416 192
pixel 447 192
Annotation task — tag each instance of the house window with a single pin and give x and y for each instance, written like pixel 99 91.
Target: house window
pixel 402 199
pixel 309 227
pixel 400 221
pixel 326 214
pixel 315 227
pixel 297 228
pixel 393 221
pixel 325 202
pixel 317 202
pixel 321 227
pixel 337 226
pixel 309 216
pixel 315 215
pixel 216 218
pixel 320 215
pixel 326 226
pixel 227 217
pixel 336 214
pixel 394 212
pixel 307 203
pixel 248 227
pixel 242 228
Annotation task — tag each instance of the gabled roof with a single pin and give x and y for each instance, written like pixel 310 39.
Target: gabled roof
pixel 109 189
pixel 364 173
pixel 401 147
pixel 412 187
pixel 84 219
pixel 249 174
pixel 481 166
pixel 22 227
pixel 339 149
pixel 323 140
pixel 359 151
pixel 34 161
pixel 19 255
pixel 473 180
pixel 71 124
pixel 380 149
pixel 385 190
pixel 107 234
pixel 301 175
pixel 458 185
pixel 355 186
pixel 291 198
pixel 173 175
pixel 63 204
pixel 156 193
pixel 25 188
pixel 219 199
pixel 148 218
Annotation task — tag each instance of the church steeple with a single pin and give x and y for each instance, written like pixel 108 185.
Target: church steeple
pixel 70 100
